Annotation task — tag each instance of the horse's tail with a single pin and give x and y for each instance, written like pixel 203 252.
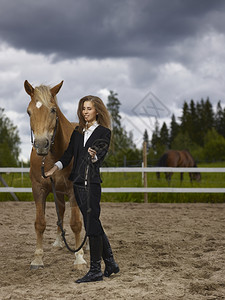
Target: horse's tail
pixel 162 163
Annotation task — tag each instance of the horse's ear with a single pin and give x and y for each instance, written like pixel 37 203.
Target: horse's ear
pixel 56 89
pixel 28 88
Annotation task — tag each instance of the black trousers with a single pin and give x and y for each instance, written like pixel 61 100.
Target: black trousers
pixel 92 222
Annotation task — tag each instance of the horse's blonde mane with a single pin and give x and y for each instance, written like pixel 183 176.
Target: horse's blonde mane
pixel 42 93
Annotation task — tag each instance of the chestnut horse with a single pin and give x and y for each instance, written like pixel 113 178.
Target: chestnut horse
pixel 51 131
pixel 175 158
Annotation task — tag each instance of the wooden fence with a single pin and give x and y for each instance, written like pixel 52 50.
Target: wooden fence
pixel 144 189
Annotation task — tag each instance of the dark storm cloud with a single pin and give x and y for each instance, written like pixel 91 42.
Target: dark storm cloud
pixel 101 28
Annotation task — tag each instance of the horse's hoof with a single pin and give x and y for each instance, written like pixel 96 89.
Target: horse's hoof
pixel 36 267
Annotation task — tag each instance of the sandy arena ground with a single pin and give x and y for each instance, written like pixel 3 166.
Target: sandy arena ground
pixel 165 251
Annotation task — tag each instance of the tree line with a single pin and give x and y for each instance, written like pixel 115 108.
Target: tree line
pixel 199 129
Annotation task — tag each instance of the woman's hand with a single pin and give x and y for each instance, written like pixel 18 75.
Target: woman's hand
pixel 51 171
pixel 92 152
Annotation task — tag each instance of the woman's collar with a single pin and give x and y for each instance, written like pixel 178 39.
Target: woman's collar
pixel 92 127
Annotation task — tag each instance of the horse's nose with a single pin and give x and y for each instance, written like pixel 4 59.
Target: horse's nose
pixel 41 146
pixel 41 143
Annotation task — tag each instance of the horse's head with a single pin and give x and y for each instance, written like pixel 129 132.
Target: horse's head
pixel 196 176
pixel 42 110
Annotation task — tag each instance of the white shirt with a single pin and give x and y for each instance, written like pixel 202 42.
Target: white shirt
pixel 87 133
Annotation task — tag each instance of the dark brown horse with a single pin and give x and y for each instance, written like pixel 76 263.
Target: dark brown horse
pixel 51 131
pixel 182 159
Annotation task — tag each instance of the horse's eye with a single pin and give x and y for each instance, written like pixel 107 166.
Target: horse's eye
pixel 53 110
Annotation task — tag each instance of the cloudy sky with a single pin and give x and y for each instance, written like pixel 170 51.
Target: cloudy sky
pixel 155 54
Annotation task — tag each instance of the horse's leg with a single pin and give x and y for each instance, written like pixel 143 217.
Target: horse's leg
pixel 40 225
pixel 191 177
pixel 61 206
pixel 168 177
pixel 76 226
pixel 181 177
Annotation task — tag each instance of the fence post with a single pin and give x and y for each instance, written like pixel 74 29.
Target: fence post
pixel 145 173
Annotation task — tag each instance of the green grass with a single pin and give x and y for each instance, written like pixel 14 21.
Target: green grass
pixel 209 180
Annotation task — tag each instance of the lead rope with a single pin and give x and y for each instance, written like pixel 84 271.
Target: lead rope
pixel 59 222
pixel 98 144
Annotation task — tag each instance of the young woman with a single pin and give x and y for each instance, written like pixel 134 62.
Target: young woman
pixel 94 124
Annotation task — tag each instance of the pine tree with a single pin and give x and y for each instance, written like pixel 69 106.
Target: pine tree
pixel 155 141
pixel 174 129
pixel 220 119
pixel 121 141
pixel 157 148
pixel 113 107
pixel 206 119
pixel 185 118
pixel 146 138
pixel 164 136
pixel 193 126
pixel 209 115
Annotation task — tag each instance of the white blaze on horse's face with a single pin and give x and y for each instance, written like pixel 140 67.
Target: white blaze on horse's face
pixel 42 110
pixel 38 104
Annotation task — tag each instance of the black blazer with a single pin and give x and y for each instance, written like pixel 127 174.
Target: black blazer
pixel 80 154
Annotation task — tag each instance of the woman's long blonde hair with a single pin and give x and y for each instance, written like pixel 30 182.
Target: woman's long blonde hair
pixel 103 116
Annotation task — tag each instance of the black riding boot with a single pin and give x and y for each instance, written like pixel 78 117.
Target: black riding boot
pixel 95 273
pixel 107 255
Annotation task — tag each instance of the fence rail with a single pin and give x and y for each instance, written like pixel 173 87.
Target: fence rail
pixel 132 189
pixel 133 170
